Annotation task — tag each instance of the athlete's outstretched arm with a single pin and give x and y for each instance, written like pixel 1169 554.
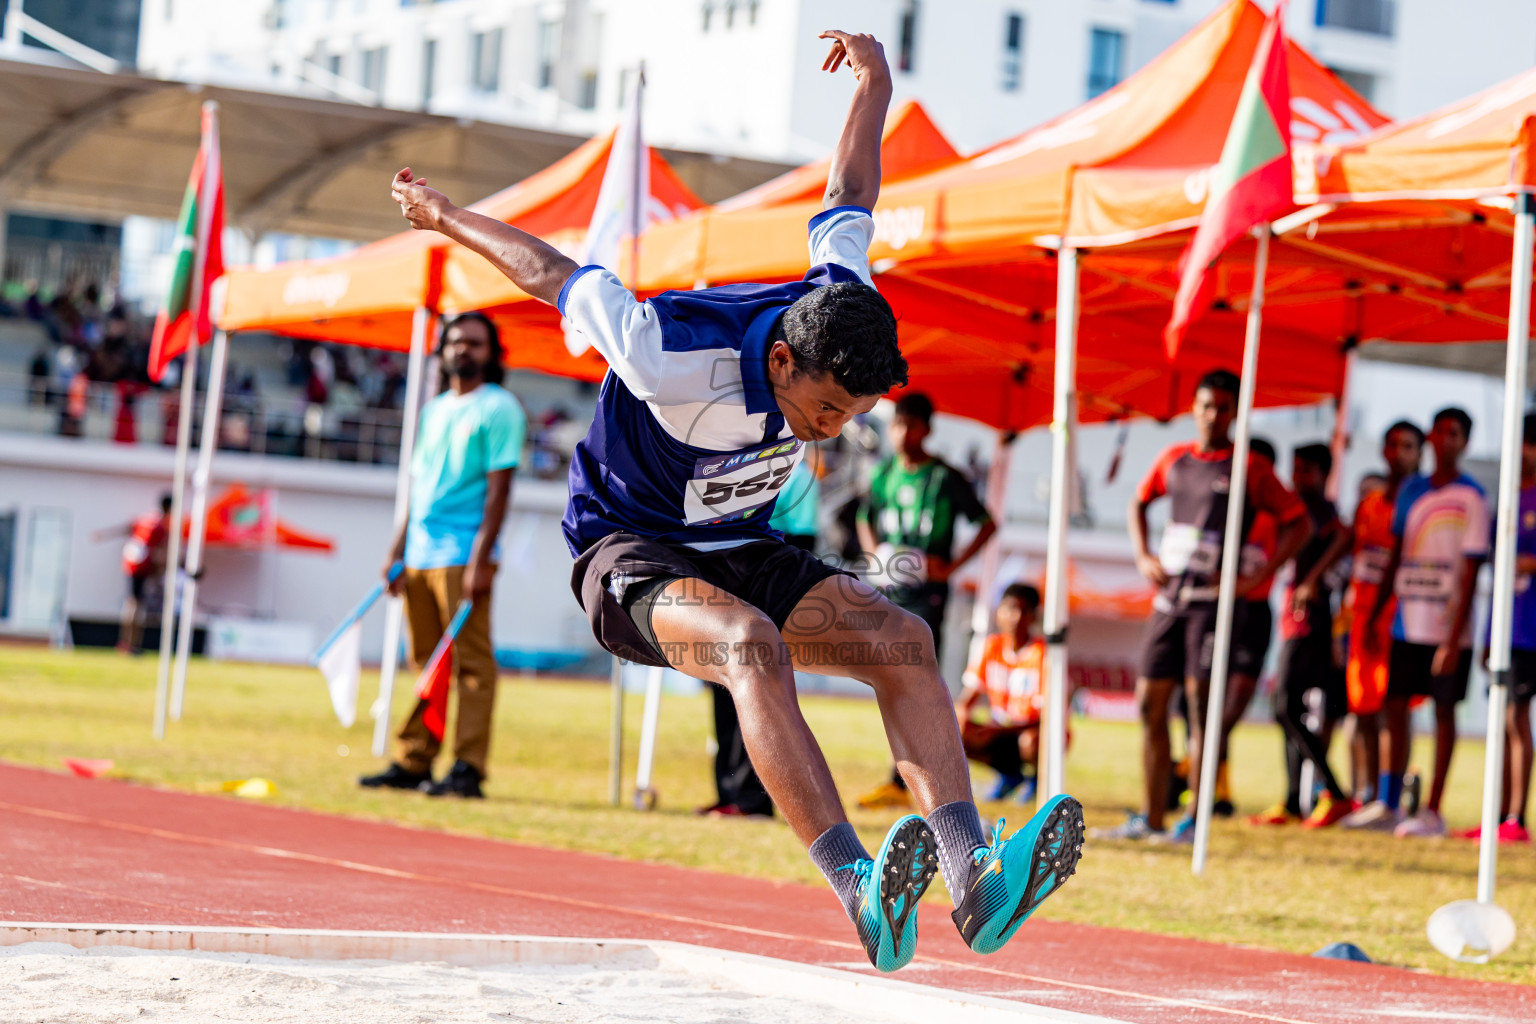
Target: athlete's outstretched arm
pixel 855 176
pixel 531 263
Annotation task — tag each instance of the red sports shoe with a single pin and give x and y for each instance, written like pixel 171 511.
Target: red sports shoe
pixel 1513 832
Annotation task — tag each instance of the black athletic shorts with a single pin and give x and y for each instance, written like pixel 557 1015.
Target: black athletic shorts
pixel 618 579
pixel 1522 675
pixel 1410 674
pixel 1180 644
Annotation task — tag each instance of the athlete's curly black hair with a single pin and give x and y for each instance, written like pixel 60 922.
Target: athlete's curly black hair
pixel 846 329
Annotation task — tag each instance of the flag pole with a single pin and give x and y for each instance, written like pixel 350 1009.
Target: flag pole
pixel 1231 556
pixel 186 411
pixel 173 541
pixel 208 443
pixel 394 610
pixel 1063 468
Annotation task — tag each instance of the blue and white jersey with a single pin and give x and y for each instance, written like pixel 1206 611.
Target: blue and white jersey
pixel 688 444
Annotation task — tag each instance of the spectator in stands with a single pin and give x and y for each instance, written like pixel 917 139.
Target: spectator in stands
pixel 1440 534
pixel 144 551
pixel 1010 675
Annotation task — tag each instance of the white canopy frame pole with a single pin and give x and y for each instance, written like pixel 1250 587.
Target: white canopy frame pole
pixel 394 608
pixel 201 481
pixel 1515 369
pixel 650 721
pixel 1231 556
pixel 1063 472
pixel 173 538
pixel 996 502
pixel 616 732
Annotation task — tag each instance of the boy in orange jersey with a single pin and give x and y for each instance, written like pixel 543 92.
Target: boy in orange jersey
pixel 1366 673
pixel 1010 674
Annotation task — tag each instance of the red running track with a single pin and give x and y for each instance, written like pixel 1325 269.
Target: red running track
pixel 78 851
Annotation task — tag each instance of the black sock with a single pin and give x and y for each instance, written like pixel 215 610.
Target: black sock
pixel 957 827
pixel 835 852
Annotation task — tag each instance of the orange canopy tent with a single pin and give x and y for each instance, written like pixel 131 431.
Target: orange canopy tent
pixel 1447 205
pixel 967 253
pixel 240 519
pixel 911 144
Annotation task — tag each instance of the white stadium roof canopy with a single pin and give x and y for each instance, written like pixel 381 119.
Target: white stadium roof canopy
pixel 82 143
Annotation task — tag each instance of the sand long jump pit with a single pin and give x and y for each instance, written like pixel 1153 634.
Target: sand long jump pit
pixel 104 974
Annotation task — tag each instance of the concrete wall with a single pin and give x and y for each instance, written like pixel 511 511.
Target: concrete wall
pixel 101 485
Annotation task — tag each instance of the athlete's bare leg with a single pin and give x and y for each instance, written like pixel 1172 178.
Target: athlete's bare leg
pixel 1198 691
pixel 712 635
pixel 1152 697
pixel 1445 746
pixel 826 635
pixel 1519 760
pixel 1395 737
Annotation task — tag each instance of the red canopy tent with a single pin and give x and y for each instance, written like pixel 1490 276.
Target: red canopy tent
pixel 240 519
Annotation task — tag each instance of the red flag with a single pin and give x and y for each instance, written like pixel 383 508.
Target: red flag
pixel 1253 182
pixel 433 687
pixel 186 319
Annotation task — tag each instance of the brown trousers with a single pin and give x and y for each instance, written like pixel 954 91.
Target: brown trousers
pixel 431 596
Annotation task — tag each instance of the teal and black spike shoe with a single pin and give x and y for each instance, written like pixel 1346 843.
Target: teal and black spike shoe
pixel 1013 876
pixel 892 884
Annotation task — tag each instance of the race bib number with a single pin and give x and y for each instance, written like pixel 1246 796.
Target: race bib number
pixel 735 485
pixel 1371 565
pixel 1187 548
pixel 1425 582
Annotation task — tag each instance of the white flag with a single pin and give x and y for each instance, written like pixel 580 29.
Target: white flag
pixel 342 667
pixel 621 201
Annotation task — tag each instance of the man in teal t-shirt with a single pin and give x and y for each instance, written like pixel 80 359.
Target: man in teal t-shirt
pixel 469 442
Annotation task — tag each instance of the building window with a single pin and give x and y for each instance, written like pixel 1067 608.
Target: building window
pixel 709 12
pixel 333 64
pixel 1106 60
pixel 1374 17
pixel 1013 51
pixel 373 69
pixel 549 52
pixel 428 70
pixel 1363 82
pixel 730 14
pixel 485 61
pixel 751 13
pixel 587 100
pixel 907 56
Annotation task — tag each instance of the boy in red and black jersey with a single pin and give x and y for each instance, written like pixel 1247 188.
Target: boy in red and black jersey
pixel 1196 477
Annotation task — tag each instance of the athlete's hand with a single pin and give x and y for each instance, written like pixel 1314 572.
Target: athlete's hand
pixel 1152 570
pixel 1303 596
pixel 393 587
pixel 1446 656
pixel 862 53
pixel 478 577
pixel 424 207
pixel 938 570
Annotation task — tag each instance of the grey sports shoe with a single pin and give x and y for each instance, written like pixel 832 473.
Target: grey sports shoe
pixel 1133 828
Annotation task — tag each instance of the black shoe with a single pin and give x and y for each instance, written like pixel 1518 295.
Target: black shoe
pixel 1177 786
pixel 1223 809
pixel 395 777
pixel 462 780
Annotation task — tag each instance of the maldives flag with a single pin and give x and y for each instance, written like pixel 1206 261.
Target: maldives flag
pixel 1251 185
pixel 185 321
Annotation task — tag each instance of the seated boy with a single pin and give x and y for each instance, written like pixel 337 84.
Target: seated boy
pixel 1011 675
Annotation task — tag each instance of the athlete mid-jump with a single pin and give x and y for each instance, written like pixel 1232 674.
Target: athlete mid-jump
pixel 711 398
